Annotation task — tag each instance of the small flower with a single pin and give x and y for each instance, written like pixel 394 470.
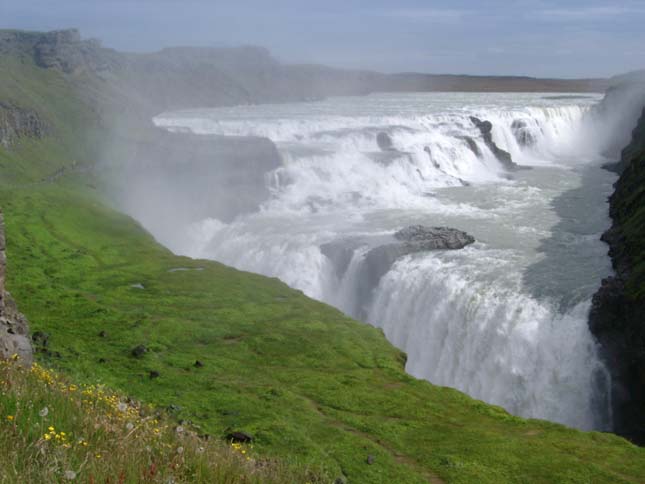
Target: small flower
pixel 44 412
pixel 98 456
pixel 129 426
pixel 47 436
pixel 70 475
pixel 122 407
pixel 179 429
pixel 10 418
pixel 51 429
pixel 180 450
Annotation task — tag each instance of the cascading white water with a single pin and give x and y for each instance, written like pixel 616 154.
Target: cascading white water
pixel 505 319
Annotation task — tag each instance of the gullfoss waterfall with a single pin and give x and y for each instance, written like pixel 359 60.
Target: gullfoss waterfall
pixel 503 319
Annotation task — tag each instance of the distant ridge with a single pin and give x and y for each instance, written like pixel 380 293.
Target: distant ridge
pixel 185 77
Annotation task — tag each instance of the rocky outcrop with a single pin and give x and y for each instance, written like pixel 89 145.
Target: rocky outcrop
pixel 16 122
pixel 486 128
pixel 381 252
pixel 617 316
pixel 14 327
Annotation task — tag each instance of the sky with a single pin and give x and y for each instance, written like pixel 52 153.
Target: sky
pixel 543 38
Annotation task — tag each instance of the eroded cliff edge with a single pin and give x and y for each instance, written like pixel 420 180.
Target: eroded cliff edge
pixel 14 327
pixel 618 313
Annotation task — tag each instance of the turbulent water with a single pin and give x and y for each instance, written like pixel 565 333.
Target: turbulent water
pixel 504 319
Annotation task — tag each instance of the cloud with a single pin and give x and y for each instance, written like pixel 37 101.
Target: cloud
pixel 438 15
pixel 608 12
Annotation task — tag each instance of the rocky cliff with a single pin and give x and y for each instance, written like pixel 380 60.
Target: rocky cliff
pixel 17 122
pixel 14 327
pixel 618 313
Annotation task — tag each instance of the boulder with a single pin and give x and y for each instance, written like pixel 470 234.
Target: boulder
pixel 239 436
pixel 139 351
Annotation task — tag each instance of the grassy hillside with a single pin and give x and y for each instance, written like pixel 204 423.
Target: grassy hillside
pixel 316 389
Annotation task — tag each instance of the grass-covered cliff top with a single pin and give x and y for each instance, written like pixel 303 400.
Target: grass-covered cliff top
pixel 316 389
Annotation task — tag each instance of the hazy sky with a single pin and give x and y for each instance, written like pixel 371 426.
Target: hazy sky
pixel 567 38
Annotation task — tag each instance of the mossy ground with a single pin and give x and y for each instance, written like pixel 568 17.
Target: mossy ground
pixel 317 389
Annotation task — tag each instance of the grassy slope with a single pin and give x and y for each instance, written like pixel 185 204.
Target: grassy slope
pixel 312 385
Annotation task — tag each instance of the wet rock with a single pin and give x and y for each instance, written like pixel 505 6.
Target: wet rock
pixel 103 334
pixel 239 436
pixel 472 146
pixel 522 133
pixel 504 157
pixel 434 163
pixel 154 374
pixel 384 141
pixel 420 238
pixel 198 364
pixel 139 351
pixel 378 254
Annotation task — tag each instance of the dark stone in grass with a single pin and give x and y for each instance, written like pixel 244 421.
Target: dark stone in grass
pixel 139 351
pixel 102 334
pixel 199 364
pixel 370 459
pixel 154 374
pixel 40 338
pixel 340 480
pixel 102 360
pixel 172 408
pixel 239 436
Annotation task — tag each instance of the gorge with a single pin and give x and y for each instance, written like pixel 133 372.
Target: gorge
pixel 463 226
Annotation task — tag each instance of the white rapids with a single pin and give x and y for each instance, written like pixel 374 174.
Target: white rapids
pixel 505 319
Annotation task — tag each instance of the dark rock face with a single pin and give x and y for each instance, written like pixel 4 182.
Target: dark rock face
pixel 384 142
pixel 617 316
pixel 14 327
pixel 382 252
pixel 522 133
pixel 504 157
pixel 16 122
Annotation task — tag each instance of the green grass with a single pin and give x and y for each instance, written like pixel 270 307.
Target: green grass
pixel 317 389
pixel 52 430
pixel 314 387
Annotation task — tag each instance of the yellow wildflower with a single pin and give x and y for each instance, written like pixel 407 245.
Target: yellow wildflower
pixel 47 437
pixel 10 418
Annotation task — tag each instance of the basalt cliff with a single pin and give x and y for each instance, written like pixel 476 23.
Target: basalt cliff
pixel 618 312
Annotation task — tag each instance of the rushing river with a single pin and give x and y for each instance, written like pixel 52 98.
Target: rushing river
pixel 505 319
